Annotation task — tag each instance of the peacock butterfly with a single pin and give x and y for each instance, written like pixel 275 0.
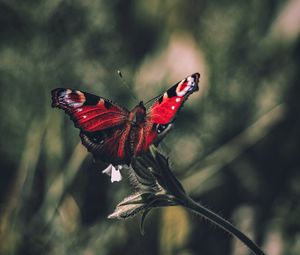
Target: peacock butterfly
pixel 114 134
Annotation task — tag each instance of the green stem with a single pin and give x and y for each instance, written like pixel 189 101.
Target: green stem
pixel 224 224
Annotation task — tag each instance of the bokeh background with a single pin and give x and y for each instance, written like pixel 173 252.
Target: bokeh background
pixel 235 145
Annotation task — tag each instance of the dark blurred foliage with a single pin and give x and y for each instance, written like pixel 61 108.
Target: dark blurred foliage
pixel 235 144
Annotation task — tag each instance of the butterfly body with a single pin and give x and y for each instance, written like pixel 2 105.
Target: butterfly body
pixel 115 134
pixel 137 115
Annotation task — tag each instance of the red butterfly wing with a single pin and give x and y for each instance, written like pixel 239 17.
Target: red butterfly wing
pixel 109 145
pixel 104 131
pixel 163 111
pixel 165 108
pixel 89 112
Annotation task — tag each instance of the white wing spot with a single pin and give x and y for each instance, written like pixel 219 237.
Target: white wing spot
pixel 178 100
pixel 173 107
pixel 79 110
pixel 84 116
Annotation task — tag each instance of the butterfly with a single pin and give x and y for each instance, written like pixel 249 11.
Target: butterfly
pixel 116 135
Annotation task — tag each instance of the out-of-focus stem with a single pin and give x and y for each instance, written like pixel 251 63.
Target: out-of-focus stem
pixel 224 224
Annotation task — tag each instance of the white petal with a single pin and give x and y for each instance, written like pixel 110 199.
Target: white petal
pixel 108 170
pixel 115 175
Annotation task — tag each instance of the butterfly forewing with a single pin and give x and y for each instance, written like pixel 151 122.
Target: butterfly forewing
pixel 90 113
pixel 166 107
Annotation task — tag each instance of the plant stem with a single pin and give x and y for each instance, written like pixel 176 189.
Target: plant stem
pixel 224 224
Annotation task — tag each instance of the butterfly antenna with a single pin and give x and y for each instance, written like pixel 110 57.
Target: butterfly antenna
pixel 125 84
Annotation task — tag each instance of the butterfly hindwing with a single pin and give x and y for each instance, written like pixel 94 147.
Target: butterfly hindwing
pixel 109 145
pixel 154 133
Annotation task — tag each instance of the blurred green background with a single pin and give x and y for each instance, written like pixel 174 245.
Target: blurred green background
pixel 235 145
